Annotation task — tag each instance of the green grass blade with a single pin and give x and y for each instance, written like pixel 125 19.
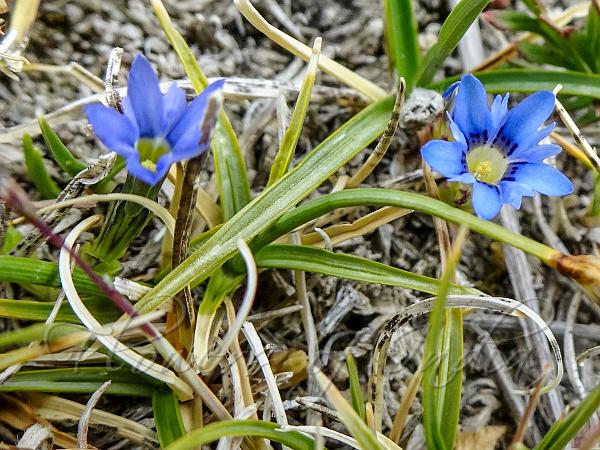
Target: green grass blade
pixel 232 177
pixel 315 168
pixel 61 154
pixel 34 162
pixel 365 437
pixel 402 39
pixel 453 29
pixel 438 434
pixel 82 380
pixel 290 138
pixel 389 197
pixel 450 382
pixel 32 310
pixel 215 431
pixel 167 417
pixel 11 239
pixel 592 31
pixel 316 260
pixel 26 271
pixel 36 332
pixel 561 433
pixel 529 80
pixel 356 395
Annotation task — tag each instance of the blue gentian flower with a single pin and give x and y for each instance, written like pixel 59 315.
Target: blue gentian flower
pixel 498 151
pixel 155 130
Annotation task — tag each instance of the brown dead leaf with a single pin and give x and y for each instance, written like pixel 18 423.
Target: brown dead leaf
pixel 3 7
pixel 484 438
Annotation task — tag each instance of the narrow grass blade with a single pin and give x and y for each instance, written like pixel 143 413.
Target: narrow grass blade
pixel 32 310
pixel 24 271
pixel 366 438
pixel 217 430
pixel 438 434
pixel 401 37
pixel 450 381
pixel 36 332
pixel 532 80
pixel 290 138
pixel 316 260
pixel 167 417
pixel 401 199
pixel 34 162
pixel 453 29
pixel 61 154
pixel 567 428
pixel 356 396
pixel 257 216
pixel 82 380
pixel 232 177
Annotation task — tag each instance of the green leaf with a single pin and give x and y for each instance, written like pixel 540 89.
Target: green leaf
pixel 402 39
pixel 534 6
pixel 290 138
pixel 402 199
pixel 12 238
pixel 36 332
pixel 517 21
pixel 167 416
pixel 19 270
pixel 592 31
pixel 440 420
pixel 36 169
pixel 61 154
pixel 232 177
pixel 315 168
pixel 528 80
pixel 316 260
pixel 82 380
pixel 216 430
pixel 544 54
pixel 450 380
pixel 32 310
pixel 356 395
pixel 453 29
pixel 565 429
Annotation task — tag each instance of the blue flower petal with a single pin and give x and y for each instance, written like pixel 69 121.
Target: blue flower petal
pixel 450 90
pixel 145 98
pixel 185 135
pixel 486 200
pixel 447 158
pixel 536 154
pixel 465 178
pixel 524 120
pixel 512 193
pixel 114 129
pixel 471 111
pixel 457 134
pixel 543 178
pixel 499 110
pixel 135 168
pixel 175 105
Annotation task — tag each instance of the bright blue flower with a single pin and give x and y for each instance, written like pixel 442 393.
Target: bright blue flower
pixel 498 151
pixel 155 130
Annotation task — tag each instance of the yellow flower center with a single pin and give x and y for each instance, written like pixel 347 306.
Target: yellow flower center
pixel 487 164
pixel 150 151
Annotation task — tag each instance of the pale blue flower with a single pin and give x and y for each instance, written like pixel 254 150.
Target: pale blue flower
pixel 498 151
pixel 155 130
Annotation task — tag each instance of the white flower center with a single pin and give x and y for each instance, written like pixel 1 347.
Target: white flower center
pixel 487 164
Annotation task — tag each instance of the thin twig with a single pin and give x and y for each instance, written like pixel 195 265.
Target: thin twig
pixel 84 421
